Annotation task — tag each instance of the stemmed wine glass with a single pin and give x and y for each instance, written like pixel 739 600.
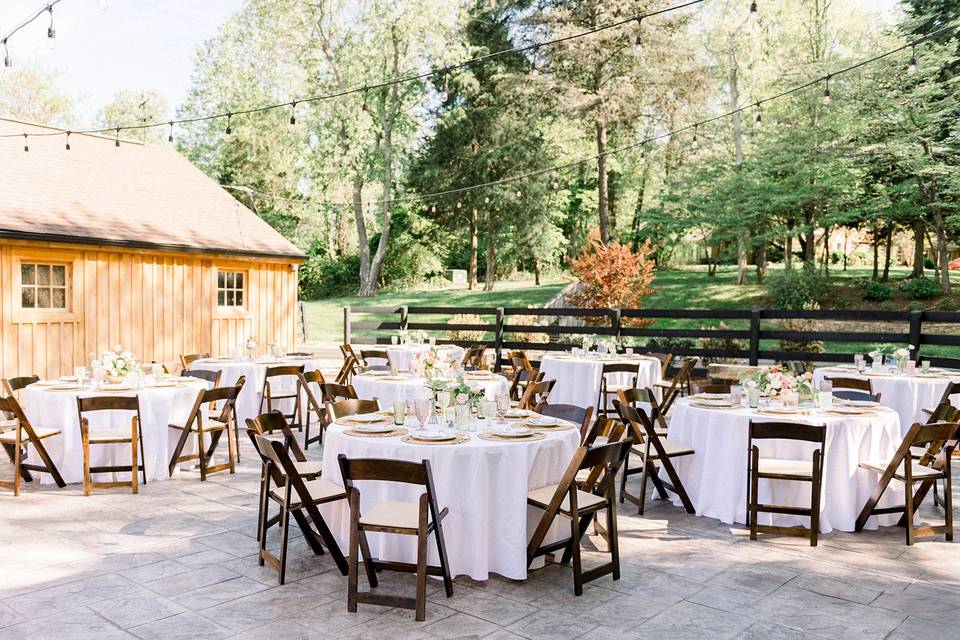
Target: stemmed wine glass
pixel 422 407
pixel 443 399
pixel 503 406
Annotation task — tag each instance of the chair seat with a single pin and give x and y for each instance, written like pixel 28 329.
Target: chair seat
pixel 110 436
pixel 320 490
pixel 671 447
pixel 399 515
pixel 282 393
pixel 918 452
pixel 308 467
pixel 10 437
pixel 209 424
pixel 541 497
pixel 918 470
pixel 781 467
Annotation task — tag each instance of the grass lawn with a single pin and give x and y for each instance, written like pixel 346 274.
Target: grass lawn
pixel 325 317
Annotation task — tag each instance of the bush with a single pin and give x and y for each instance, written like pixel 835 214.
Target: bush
pixel 613 276
pixel 915 306
pixel 721 344
pixel 877 292
pixel 669 345
pixel 928 263
pixel 321 277
pixel 794 288
pixel 804 346
pixel 947 304
pixel 526 321
pixel 921 288
pixel 468 336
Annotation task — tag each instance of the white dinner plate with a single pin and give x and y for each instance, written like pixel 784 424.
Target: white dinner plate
pixel 543 421
pixel 68 378
pixel 115 387
pixel 365 417
pixel 65 386
pixel 164 383
pixel 517 413
pixel 512 432
pixel 858 403
pixel 45 383
pixel 374 428
pixel 434 436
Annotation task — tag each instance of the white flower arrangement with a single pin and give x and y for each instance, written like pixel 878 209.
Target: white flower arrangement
pixel 251 343
pixel 118 362
pixel 904 352
pixel 773 381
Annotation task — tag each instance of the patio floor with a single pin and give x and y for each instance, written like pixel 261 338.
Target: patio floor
pixel 179 561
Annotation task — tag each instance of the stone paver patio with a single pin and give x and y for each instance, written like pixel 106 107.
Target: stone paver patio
pixel 179 561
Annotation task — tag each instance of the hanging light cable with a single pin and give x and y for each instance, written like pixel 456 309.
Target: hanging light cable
pixel 117 141
pixel 7 60
pixel 365 107
pixel 170 137
pixel 753 8
pixel 229 129
pixel 533 64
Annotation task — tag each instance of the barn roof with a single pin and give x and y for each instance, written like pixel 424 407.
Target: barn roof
pixel 138 195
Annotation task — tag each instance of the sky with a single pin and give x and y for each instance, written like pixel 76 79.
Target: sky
pixel 136 44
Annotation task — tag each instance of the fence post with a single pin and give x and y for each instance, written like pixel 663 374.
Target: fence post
pixel 754 337
pixel 303 322
pixel 403 318
pixel 916 332
pixel 346 325
pixel 615 323
pixel 498 340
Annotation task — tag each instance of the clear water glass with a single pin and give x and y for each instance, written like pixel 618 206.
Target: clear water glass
pixel 736 393
pixel 503 406
pixel 399 412
pixel 393 340
pixel 925 365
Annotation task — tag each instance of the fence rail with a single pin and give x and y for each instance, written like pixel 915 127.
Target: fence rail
pixel 753 342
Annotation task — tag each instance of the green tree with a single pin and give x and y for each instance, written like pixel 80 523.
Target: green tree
pixel 133 108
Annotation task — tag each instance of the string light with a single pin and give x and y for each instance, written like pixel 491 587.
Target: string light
pixel 26 145
pixel 486 200
pixel 638 42
pixel 293 112
pixel 433 209
pixel 68 141
pixel 695 142
pixel 170 137
pixel 758 121
pixel 364 107
pixel 51 32
pixel 533 64
pixel 7 60
pixel 229 129
pixel 912 65
pixel 459 205
pixel 825 98
pixel 753 7
pixel 445 95
pixel 117 143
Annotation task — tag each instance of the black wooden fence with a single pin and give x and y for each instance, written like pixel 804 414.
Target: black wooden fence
pixel 760 332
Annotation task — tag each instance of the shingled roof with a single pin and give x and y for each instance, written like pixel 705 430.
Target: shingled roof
pixel 138 195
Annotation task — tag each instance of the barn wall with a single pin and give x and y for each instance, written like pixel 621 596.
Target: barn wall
pixel 157 305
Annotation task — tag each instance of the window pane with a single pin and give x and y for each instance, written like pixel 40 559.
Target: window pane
pixel 220 298
pixel 43 298
pixel 239 298
pixel 28 274
pixel 28 299
pixel 230 280
pixel 43 274
pixel 229 298
pixel 59 300
pixel 239 280
pixel 221 279
pixel 59 275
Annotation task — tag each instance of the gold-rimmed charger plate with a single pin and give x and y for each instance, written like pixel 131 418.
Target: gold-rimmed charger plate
pixel 497 438
pixel 381 434
pixel 458 438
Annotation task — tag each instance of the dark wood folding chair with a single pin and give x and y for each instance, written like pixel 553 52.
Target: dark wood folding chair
pixel 953 388
pixel 347 370
pixel 945 412
pixel 297 496
pixel 784 469
pixel 421 519
pixel 651 449
pixel 270 425
pixel 107 436
pixel 207 375
pixel 579 505
pixel 536 394
pixel 608 390
pixel 473 358
pixel 214 428
pixel 334 392
pixel 312 384
pixel 570 413
pixel 853 389
pixel 523 374
pixel 301 354
pixel 680 384
pixel 12 386
pixel 187 359
pixel 635 397
pixel 665 360
pixel 348 352
pixel 16 440
pixel 715 387
pixel 368 356
pixel 343 408
pixel 939 439
pixel 274 391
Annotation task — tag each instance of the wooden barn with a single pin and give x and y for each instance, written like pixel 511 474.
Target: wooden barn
pixel 103 245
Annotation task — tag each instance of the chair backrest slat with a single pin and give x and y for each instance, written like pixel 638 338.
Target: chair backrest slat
pixel 385 470
pixel 351 407
pixel 787 431
pixel 285 370
pixel 333 392
pixel 209 375
pixel 851 383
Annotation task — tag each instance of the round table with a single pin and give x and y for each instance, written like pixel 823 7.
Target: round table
pixel 403 354
pixel 715 476
pixel 255 371
pixel 578 378
pixel 907 395
pixel 484 484
pixel 159 406
pixel 387 387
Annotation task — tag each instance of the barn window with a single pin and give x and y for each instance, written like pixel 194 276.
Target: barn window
pixel 43 286
pixel 230 288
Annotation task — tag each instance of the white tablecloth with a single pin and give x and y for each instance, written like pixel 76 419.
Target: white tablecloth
pixel 389 388
pixel 715 476
pixel 403 354
pixel 248 402
pixel 484 485
pixel 578 379
pixel 907 395
pixel 158 407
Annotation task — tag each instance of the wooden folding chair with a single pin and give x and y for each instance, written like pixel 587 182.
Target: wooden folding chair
pixel 607 390
pixel 939 439
pixel 348 352
pixel 634 397
pixel 299 497
pixel 314 405
pixel 334 392
pixel 524 373
pixel 570 413
pixel 579 505
pixel 945 412
pixel 715 387
pixel 94 404
pixel 273 392
pixel 16 440
pixel 473 358
pixel 269 425
pixel 665 359
pixel 207 375
pixel 190 358
pixel 12 386
pixel 953 388
pixel 421 519
pixel 651 449
pixel 343 408
pixel 366 355
pixel 347 370
pixel 676 387
pixel 785 469
pixel 536 394
pixel 853 389
pixel 201 427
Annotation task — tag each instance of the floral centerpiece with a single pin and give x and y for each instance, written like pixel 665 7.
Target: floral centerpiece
pixel 773 381
pixel 250 345
pixel 903 355
pixel 117 363
pixel 421 336
pixel 463 393
pixel 403 336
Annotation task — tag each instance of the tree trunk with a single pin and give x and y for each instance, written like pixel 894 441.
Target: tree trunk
pixel 760 253
pixel 536 271
pixel 826 251
pixel 737 121
pixel 491 264
pixel 876 252
pixel 363 244
pixel 788 248
pixel 888 241
pixel 810 242
pixel 918 232
pixel 943 259
pixel 603 204
pixel 472 269
pixel 638 209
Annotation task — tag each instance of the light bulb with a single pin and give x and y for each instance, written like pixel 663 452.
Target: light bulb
pixel 912 65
